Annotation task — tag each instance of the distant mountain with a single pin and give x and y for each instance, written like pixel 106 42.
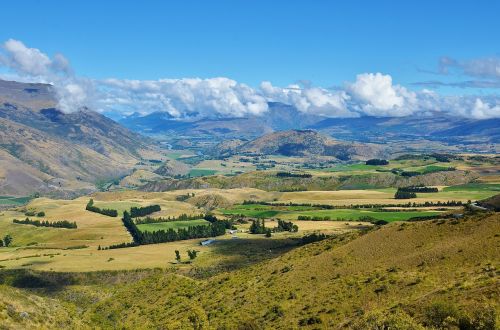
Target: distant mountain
pixel 45 150
pixel 302 143
pixel 431 126
pixel 436 127
pixel 280 117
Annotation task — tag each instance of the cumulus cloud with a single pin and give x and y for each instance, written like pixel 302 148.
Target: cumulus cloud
pixel 377 96
pixel 33 65
pixel 371 94
pixel 219 97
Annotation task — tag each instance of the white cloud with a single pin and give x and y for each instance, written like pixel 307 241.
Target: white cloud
pixel 30 64
pixel 377 96
pixel 483 110
pixel 312 100
pixel 219 97
pixel 372 94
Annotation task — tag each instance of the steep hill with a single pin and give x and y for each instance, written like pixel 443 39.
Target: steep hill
pixel 45 150
pixel 302 143
pixel 269 181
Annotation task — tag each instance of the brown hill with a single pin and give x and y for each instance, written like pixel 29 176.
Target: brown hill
pixel 45 150
pixel 302 143
pixel 172 168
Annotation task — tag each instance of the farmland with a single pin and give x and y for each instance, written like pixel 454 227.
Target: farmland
pixel 171 225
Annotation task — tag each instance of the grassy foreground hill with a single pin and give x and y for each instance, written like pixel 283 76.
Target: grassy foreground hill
pixel 435 274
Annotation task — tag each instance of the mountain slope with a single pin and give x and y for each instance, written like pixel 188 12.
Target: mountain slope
pixel 301 143
pixel 45 150
pixel 390 273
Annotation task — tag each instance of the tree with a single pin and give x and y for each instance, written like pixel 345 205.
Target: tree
pixel 177 255
pixel 192 254
pixel 7 240
pixel 1 243
pixel 268 232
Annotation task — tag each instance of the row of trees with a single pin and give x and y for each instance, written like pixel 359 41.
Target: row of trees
pixel 356 206
pixel 377 162
pixel 109 212
pixel 419 189
pixel 55 224
pixel 215 228
pixel 182 217
pixel 293 175
pixel 143 211
pixel 403 194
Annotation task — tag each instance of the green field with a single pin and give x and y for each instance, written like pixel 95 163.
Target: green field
pixel 201 172
pixel 355 167
pixel 171 225
pixel 293 212
pixel 10 200
pixel 493 187
pixel 119 206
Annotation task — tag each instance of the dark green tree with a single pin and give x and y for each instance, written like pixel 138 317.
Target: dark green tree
pixel 7 240
pixel 177 255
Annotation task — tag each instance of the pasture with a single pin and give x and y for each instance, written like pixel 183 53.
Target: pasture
pixel 172 225
pixel 294 212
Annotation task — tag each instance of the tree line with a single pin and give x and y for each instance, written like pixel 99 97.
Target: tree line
pixel 56 224
pixel 404 194
pixel 143 211
pixel 293 175
pixel 356 206
pixel 109 212
pixel 419 189
pixel 377 162
pixel 214 228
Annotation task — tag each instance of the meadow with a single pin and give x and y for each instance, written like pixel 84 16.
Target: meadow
pixel 172 225
pixel 294 212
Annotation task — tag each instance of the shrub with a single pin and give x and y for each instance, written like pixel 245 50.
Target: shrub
pixel 441 314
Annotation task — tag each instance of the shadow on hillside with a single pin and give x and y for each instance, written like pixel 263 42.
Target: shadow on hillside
pixel 233 254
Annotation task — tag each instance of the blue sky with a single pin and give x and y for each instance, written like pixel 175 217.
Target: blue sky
pixel 325 42
pixel 317 43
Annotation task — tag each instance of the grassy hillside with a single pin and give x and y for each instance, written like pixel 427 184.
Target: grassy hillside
pixel 440 274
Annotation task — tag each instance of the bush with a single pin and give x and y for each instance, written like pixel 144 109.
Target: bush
pixel 398 320
pixel 441 314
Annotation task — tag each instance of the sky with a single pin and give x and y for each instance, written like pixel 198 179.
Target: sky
pixel 228 58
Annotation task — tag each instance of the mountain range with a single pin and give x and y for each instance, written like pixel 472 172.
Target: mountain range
pixel 433 126
pixel 45 150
